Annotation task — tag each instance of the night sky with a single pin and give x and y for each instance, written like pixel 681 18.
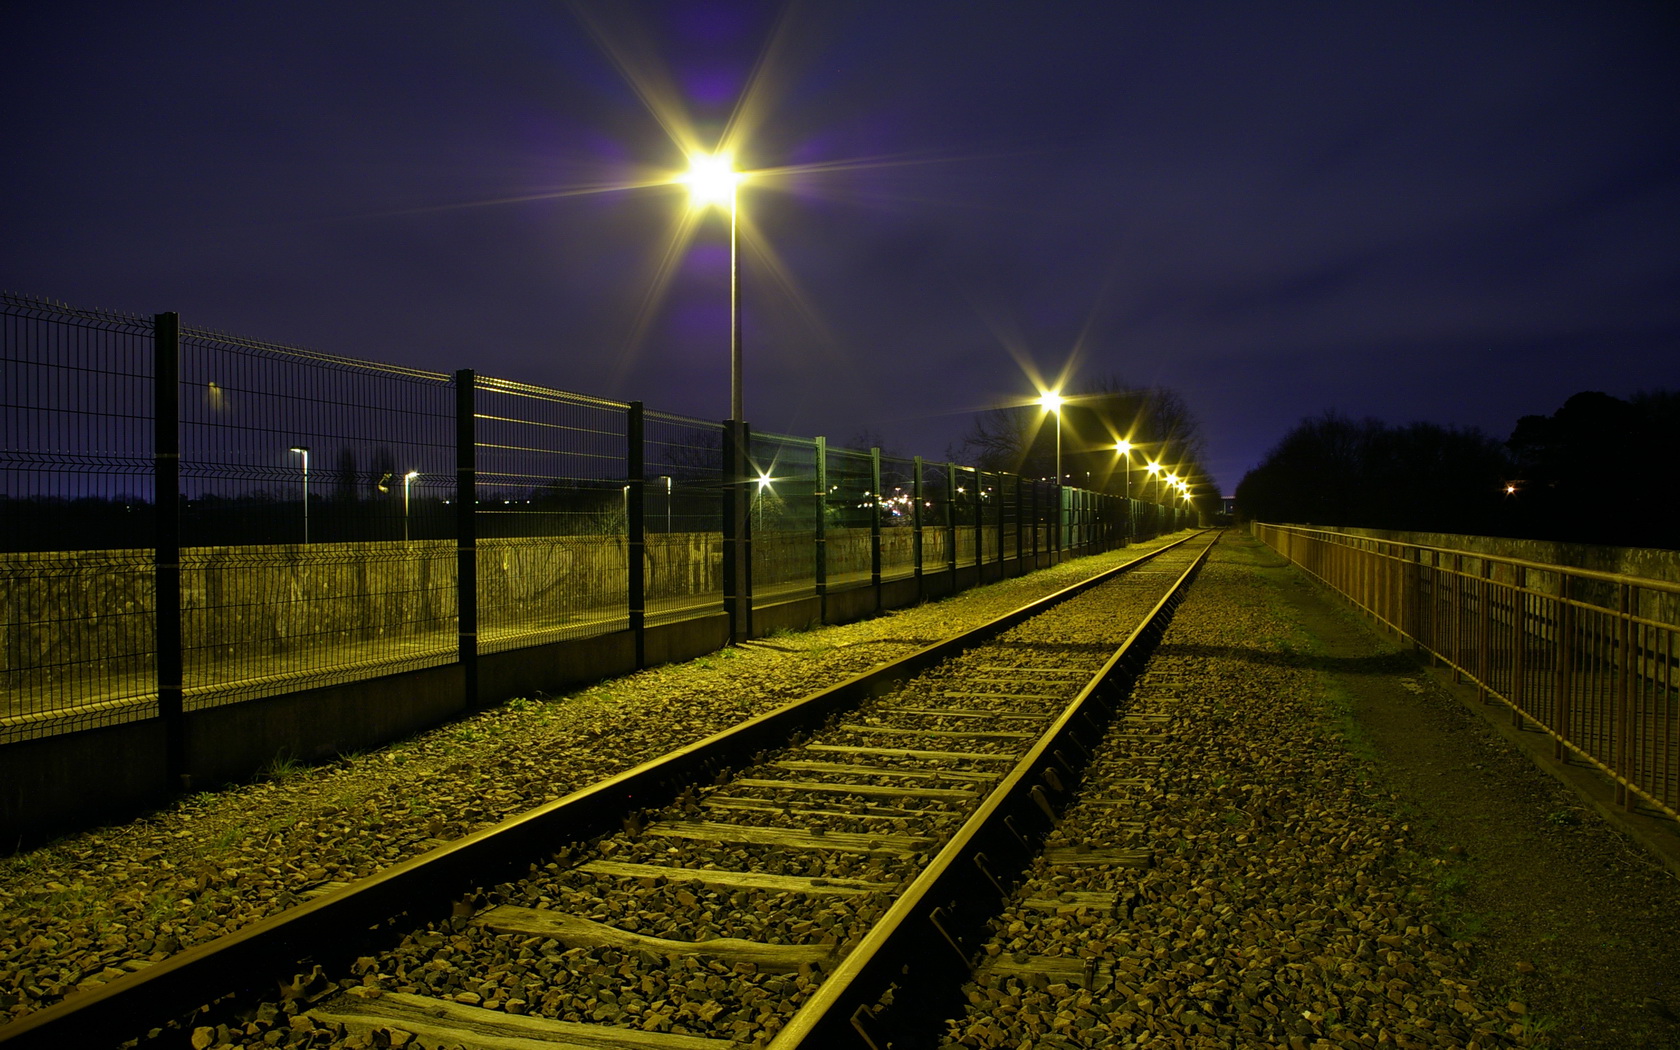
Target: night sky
pixel 1460 213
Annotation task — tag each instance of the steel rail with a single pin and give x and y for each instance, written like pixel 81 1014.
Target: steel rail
pixel 918 953
pixel 332 930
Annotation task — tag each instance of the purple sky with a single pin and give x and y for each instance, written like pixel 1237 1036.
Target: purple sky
pixel 1459 213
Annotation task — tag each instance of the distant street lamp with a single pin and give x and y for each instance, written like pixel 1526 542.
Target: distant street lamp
pixel 303 450
pixel 667 478
pixel 408 479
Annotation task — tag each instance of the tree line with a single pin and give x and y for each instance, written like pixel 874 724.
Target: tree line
pixel 1598 470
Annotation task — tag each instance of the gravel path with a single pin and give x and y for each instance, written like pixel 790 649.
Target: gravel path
pixel 1285 903
pixel 90 907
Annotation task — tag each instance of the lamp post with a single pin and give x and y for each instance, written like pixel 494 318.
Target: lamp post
pixel 667 478
pixel 1052 402
pixel 408 479
pixel 303 450
pixel 712 179
pixel 1124 447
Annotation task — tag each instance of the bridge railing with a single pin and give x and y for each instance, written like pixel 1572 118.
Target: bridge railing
pixel 1591 658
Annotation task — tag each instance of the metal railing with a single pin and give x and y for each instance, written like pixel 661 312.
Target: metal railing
pixel 1591 658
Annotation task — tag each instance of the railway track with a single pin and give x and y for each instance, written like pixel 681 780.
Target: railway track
pixel 789 882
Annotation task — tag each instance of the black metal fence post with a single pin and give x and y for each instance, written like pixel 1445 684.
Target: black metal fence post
pixel 166 558
pixel 635 525
pixel 820 536
pixel 951 522
pixel 916 522
pixel 875 523
pixel 466 533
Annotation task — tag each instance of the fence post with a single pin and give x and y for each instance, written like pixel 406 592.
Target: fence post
pixel 916 524
pixel 875 523
pixel 466 533
pixel 635 524
pixel 1032 514
pixel 951 523
pixel 821 537
pixel 166 556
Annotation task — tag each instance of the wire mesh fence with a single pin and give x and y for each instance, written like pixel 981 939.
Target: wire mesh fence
pixel 76 587
pixel 192 519
pixel 303 563
pixel 552 519
pixel 901 512
pixel 683 497
pixel 782 512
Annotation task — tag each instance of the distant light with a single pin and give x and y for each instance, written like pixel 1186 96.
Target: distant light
pixel 1051 400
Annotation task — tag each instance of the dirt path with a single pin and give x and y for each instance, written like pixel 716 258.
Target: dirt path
pixel 1568 912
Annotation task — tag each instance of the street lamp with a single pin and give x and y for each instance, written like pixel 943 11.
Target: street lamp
pixel 1125 447
pixel 712 179
pixel 303 450
pixel 667 478
pixel 408 479
pixel 1052 401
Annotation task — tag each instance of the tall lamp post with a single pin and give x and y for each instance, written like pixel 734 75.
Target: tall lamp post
pixel 1124 447
pixel 408 479
pixel 712 179
pixel 1052 402
pixel 303 450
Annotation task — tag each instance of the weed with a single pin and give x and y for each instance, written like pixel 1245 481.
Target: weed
pixel 467 734
pixel 1564 818
pixel 518 703
pixel 283 766
pixel 227 838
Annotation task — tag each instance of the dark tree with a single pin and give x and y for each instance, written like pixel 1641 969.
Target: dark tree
pixel 1599 470
pixel 1332 470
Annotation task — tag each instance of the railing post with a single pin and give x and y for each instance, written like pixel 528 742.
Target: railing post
pixel 635 524
pixel 1563 660
pixel 875 523
pixel 1032 516
pixel 466 533
pixel 821 537
pixel 166 555
pixel 1627 762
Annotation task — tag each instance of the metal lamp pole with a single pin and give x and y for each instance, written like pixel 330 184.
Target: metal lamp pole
pixel 303 450
pixel 408 479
